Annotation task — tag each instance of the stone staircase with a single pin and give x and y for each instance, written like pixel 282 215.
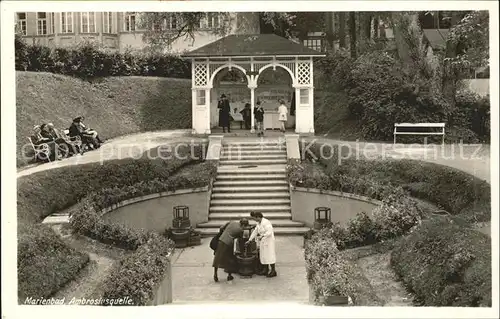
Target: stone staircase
pixel 252 177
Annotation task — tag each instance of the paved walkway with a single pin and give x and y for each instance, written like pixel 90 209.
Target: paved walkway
pixel 122 147
pixel 193 277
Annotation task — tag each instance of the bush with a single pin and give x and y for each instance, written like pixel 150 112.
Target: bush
pixel 328 272
pixel 44 262
pixel 88 61
pixel 451 189
pixel 445 264
pixel 139 275
pixel 44 193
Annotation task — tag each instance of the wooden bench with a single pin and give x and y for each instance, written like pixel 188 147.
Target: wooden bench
pixel 419 125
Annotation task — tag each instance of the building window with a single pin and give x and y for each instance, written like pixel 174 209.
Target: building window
pixel 66 22
pixel 41 23
pixel 52 16
pixel 213 20
pixel 88 22
pixel 107 22
pixel 200 97
pixel 304 96
pixel 21 23
pixel 129 22
pixel 315 44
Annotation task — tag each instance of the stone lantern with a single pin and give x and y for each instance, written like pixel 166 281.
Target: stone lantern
pixel 181 227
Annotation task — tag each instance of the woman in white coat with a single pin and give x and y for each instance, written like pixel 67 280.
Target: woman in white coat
pixel 263 234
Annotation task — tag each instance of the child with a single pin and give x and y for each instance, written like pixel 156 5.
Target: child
pixel 259 118
pixel 283 112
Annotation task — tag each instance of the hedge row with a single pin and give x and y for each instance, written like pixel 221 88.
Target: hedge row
pixel 139 274
pixel 453 190
pixel 44 262
pixel 444 264
pixel 51 191
pixel 88 61
pixel 329 273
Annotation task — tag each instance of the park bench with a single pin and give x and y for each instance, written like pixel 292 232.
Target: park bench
pixel 39 149
pixel 417 129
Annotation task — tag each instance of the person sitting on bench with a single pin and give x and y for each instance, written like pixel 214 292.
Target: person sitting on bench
pixel 89 137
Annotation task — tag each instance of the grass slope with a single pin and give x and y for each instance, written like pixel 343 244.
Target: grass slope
pixel 113 106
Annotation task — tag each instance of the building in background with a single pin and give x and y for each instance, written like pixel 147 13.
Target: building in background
pixel 113 30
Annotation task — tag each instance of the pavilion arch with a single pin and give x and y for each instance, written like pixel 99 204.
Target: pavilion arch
pixel 228 66
pixel 274 65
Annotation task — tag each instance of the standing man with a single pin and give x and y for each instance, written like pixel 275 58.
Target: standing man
pixel 224 112
pixel 263 234
pixel 224 256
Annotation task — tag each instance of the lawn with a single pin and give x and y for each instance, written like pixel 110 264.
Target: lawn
pixel 113 106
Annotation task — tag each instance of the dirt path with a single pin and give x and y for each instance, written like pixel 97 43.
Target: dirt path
pixel 88 282
pixel 377 269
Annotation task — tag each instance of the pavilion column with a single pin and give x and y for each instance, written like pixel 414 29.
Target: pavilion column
pixel 252 106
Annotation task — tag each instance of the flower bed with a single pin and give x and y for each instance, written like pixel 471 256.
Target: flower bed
pixel 51 191
pixel 445 264
pixel 330 274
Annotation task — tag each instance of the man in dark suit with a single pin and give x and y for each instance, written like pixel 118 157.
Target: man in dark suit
pixel 224 111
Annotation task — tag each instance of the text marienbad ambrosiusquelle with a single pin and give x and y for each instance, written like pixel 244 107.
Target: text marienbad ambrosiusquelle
pixel 78 301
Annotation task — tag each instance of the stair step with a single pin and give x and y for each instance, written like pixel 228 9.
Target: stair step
pixel 260 196
pixel 240 202
pixel 237 156
pixel 259 170
pixel 245 148
pixel 283 231
pixel 250 208
pixel 253 152
pixel 276 223
pixel 257 162
pixel 250 189
pixel 241 180
pixel 239 215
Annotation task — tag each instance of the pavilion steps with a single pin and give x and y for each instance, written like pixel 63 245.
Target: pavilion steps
pixel 252 177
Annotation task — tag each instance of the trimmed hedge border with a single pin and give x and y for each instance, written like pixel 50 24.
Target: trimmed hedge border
pixel 88 61
pixel 399 215
pixel 144 270
pixel 52 191
pixel 328 272
pixel 445 264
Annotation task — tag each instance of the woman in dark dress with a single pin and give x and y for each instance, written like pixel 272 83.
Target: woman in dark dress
pixel 224 112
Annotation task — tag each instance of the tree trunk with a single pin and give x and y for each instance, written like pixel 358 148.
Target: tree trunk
pixel 450 75
pixel 367 25
pixel 330 31
pixel 352 34
pixel 376 27
pixel 342 43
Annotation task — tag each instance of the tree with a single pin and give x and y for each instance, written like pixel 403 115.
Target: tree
pixel 352 34
pixel 163 28
pixel 467 48
pixel 342 34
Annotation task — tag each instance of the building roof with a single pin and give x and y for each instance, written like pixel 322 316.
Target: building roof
pixel 252 45
pixel 437 38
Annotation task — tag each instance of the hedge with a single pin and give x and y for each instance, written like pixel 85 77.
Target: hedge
pixel 329 273
pixel 44 262
pixel 88 61
pixel 139 274
pixel 42 194
pixel 457 192
pixel 445 264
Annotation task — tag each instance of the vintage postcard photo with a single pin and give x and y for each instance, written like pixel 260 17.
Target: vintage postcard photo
pixel 258 159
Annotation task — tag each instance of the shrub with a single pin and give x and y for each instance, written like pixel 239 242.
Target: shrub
pixel 328 272
pixel 44 193
pixel 445 264
pixel 88 61
pixel 139 275
pixel 44 262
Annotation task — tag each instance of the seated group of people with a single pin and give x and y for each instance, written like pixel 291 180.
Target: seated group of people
pixel 63 144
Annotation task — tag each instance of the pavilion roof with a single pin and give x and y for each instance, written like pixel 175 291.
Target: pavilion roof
pixel 252 45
